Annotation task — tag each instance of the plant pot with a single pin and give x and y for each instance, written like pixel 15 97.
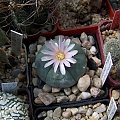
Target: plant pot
pixel 16 71
pixel 77 21
pixel 112 82
pixel 22 98
pixel 71 106
pixel 93 30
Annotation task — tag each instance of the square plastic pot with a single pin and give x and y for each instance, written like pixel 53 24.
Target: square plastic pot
pixel 111 81
pixel 93 30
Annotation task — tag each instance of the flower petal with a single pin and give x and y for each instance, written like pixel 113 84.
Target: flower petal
pixel 54 45
pixel 70 54
pixel 67 64
pixel 47 52
pixel 49 63
pixel 46 58
pixel 62 68
pixel 56 64
pixel 48 45
pixel 67 42
pixel 71 60
pixel 70 47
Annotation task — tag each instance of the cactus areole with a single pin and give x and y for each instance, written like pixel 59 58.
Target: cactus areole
pixel 60 63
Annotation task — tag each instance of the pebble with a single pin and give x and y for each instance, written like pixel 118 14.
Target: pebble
pixel 57 112
pixel 15 72
pixel 93 50
pixel 35 81
pixel 42 114
pixel 21 77
pixel 55 90
pixel 75 90
pixel 67 91
pixel 41 40
pixel 50 113
pixel 72 97
pixel 100 109
pixel 32 48
pixel 67 114
pixel 94 91
pixel 89 112
pixel 83 37
pixel 36 91
pixel 85 95
pixel 62 99
pixel 97 82
pixel 76 40
pixel 83 83
pixel 74 111
pixel 38 101
pixel 115 94
pixel 47 88
pixel 46 98
pixel 91 39
pixel 98 61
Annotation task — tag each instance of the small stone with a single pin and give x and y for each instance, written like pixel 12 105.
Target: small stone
pixel 83 37
pixel 47 88
pixel 86 44
pixel 31 58
pixel 95 116
pixel 23 61
pixel 89 112
pixel 93 50
pixel 104 117
pixel 42 114
pixel 67 114
pixel 82 110
pixel 74 111
pixel 97 61
pixel 55 90
pixel 82 119
pixel 85 95
pixel 72 97
pixel 39 47
pixel 21 77
pixel 50 113
pixel 98 72
pixel 78 117
pixel 46 98
pixel 36 91
pixel 62 99
pixel 32 48
pixel 38 101
pixel 76 40
pixel 48 118
pixel 35 81
pixel 91 73
pixel 91 39
pixel 100 109
pixel 57 112
pixel 83 83
pixel 41 40
pixel 67 91
pixel 115 94
pixel 94 91
pixel 97 82
pixel 96 105
pixel 75 90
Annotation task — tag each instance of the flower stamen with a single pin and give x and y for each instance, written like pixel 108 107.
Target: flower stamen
pixel 60 56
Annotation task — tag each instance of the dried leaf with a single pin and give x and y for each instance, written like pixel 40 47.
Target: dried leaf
pixel 3 38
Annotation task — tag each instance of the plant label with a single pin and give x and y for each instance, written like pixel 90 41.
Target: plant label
pixel 106 68
pixel 9 87
pixel 112 108
pixel 16 42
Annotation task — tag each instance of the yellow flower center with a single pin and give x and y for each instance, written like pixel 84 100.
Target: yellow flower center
pixel 60 55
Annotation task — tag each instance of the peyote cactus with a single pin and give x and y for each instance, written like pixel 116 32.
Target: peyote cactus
pixel 113 46
pixel 12 108
pixel 71 63
pixel 117 69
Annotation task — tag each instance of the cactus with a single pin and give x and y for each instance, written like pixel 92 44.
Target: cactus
pixel 113 46
pixel 12 107
pixel 117 69
pixel 64 79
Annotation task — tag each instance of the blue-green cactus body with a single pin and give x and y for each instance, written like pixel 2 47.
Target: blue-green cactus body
pixel 72 75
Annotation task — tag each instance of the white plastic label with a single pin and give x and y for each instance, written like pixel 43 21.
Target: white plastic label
pixel 9 87
pixel 112 108
pixel 106 68
pixel 16 42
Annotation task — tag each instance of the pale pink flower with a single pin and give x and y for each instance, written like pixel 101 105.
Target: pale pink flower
pixel 60 54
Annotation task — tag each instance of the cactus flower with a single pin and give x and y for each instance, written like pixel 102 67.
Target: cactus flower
pixel 59 54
